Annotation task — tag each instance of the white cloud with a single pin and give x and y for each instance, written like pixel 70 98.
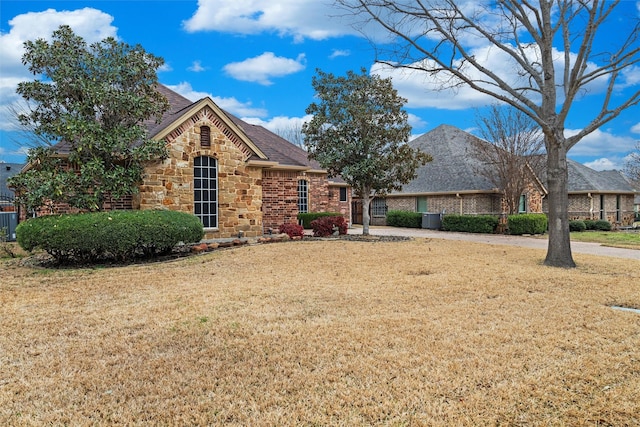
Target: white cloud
pixel 315 20
pixel 604 164
pixel 444 91
pixel 231 105
pixel 416 122
pixel 261 69
pixel 88 23
pixel 196 67
pixel 636 128
pixel 599 142
pixel 279 123
pixel 339 52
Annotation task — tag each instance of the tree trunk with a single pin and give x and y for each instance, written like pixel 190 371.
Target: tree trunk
pixel 366 202
pixel 559 248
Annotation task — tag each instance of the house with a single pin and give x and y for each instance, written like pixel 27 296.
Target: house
pixel 451 184
pixel 594 194
pixel 7 170
pixel 235 176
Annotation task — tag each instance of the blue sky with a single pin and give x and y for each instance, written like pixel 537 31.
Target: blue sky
pixel 256 58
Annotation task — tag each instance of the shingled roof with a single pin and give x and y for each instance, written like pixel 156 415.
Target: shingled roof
pixel 7 170
pixel 583 179
pixel 277 149
pixel 453 169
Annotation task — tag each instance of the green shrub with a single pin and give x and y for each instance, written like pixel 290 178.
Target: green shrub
pixel 113 235
pixel 602 225
pixel 470 223
pixel 404 219
pixel 590 224
pixel 532 223
pixel 577 225
pixel 306 218
pixel 327 225
pixel 292 230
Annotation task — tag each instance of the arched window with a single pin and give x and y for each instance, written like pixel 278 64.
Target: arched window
pixel 205 136
pixel 205 190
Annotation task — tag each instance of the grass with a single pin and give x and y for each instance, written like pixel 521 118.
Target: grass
pixel 422 332
pixel 620 239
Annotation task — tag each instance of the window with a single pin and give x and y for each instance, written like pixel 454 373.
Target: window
pixel 205 190
pixel 343 194
pixel 303 196
pixel 378 207
pixel 522 204
pixel 602 213
pixel 421 204
pixel 618 211
pixel 205 136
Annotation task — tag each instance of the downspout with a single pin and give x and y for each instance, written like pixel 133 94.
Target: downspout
pixel 458 196
pixel 590 205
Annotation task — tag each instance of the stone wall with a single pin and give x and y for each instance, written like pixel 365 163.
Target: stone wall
pixel 581 206
pixel 169 184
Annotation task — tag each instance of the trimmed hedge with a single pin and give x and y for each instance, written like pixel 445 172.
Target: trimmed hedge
pixel 577 225
pixel 306 218
pixel 533 223
pixel 113 235
pixel 325 226
pixel 470 223
pixel 602 225
pixel 404 219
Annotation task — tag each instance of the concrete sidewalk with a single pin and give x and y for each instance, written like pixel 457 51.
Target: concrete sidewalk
pixel 534 242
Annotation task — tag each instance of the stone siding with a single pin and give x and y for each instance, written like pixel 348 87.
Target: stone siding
pixel 169 184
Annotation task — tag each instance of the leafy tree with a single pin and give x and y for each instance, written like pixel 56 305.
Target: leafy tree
pixel 557 50
pixel 359 131
pixel 511 152
pixel 92 102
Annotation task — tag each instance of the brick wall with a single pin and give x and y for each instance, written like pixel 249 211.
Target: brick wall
pixel 581 206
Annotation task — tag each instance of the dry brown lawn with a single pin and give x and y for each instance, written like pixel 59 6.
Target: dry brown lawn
pixel 424 332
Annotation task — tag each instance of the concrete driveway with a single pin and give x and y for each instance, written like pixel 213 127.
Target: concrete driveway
pixel 499 239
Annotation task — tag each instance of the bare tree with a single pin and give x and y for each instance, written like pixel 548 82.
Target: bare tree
pixel 632 166
pixel 25 135
pixel 292 133
pixel 552 46
pixel 510 152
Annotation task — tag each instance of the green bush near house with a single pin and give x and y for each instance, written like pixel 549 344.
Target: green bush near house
pixel 113 235
pixel 602 225
pixel 306 218
pixel 533 223
pixel 470 223
pixel 577 225
pixel 404 219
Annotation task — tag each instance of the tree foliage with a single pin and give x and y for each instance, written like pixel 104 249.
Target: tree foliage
pixel 556 51
pixel 92 101
pixel 632 166
pixel 511 152
pixel 359 132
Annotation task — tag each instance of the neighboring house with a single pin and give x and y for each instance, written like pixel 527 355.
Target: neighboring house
pixel 594 194
pixel 7 170
pixel 451 184
pixel 236 177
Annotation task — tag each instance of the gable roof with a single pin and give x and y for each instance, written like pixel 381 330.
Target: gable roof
pixel 266 145
pixel 453 169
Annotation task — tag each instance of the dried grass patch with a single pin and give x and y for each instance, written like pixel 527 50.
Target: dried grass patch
pixel 424 332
